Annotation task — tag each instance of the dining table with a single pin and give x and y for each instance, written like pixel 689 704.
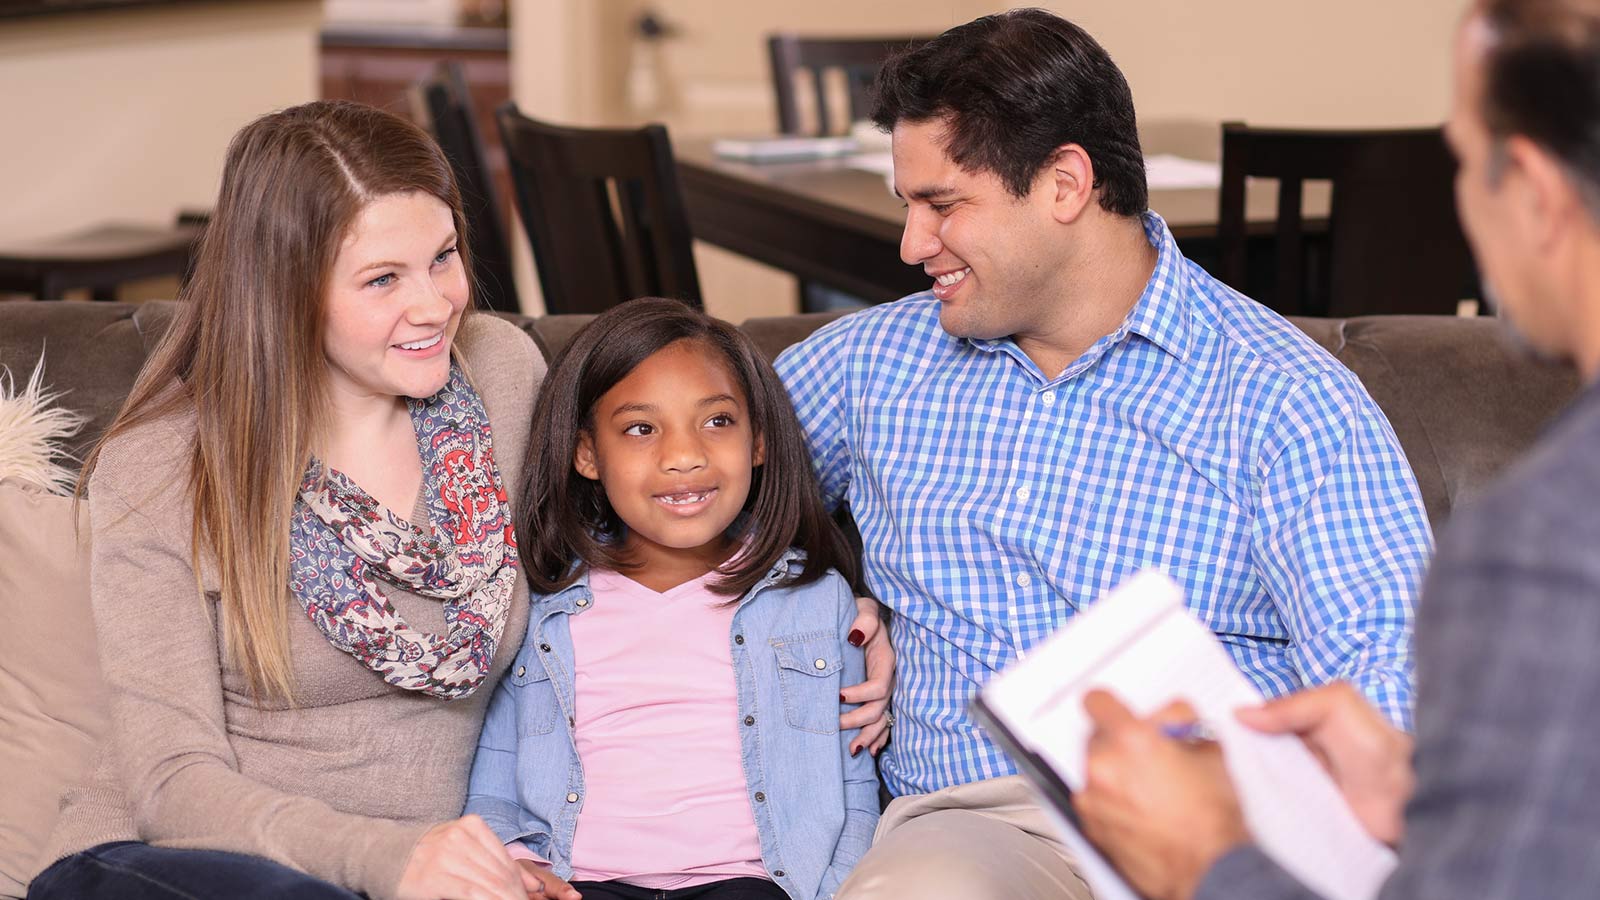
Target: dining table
pixel 837 221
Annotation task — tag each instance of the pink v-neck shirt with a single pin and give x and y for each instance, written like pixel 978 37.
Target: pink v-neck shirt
pixel 657 734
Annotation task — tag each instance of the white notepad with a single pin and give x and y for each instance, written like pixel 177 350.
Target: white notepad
pixel 1140 643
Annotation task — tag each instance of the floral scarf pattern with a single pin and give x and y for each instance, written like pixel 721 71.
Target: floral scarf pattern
pixel 344 543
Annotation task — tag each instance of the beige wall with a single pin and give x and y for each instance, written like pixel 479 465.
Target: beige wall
pixel 1280 62
pixel 126 115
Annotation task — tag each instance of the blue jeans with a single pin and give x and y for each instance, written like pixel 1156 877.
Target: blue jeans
pixel 129 870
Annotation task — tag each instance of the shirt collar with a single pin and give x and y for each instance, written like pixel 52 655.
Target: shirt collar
pixel 1161 315
pixel 566 598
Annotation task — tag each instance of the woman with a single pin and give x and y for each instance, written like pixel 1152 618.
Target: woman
pixel 304 577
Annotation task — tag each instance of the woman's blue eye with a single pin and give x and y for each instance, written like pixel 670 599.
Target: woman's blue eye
pixel 444 257
pixel 383 280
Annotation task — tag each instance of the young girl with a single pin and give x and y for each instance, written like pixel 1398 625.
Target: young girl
pixel 671 726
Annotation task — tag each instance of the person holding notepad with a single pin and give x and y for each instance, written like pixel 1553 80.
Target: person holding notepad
pixel 1501 798
pixel 1070 402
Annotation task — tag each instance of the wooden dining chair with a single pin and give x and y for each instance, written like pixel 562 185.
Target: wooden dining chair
pixel 443 105
pixel 98 258
pixel 603 211
pixel 859 60
pixel 1393 243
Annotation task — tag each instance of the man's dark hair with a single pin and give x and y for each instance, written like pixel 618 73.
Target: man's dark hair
pixel 563 518
pixel 1014 86
pixel 1542 81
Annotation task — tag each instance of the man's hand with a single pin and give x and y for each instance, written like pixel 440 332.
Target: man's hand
pixel 1369 759
pixel 869 633
pixel 1162 811
pixel 543 884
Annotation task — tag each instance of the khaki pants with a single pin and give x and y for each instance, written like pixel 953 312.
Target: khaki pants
pixel 988 839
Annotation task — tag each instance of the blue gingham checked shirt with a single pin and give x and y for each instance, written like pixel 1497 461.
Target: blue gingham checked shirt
pixel 1206 435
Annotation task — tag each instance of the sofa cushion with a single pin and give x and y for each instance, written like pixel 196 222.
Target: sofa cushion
pixel 51 699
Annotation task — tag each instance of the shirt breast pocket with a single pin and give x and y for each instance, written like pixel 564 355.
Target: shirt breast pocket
pixel 808 677
pixel 537 706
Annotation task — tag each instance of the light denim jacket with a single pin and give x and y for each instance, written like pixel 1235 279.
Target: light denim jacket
pixel 815 807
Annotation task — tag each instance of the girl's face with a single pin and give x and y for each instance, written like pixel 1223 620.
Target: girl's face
pixel 673 449
pixel 394 300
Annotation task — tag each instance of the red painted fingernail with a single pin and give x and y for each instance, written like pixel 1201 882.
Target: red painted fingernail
pixel 842 699
pixel 857 638
pixel 854 751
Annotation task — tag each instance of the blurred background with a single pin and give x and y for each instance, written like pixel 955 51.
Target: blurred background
pixel 122 109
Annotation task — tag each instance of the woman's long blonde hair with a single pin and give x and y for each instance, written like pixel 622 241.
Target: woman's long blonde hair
pixel 245 349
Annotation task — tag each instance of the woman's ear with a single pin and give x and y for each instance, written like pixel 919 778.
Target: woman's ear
pixel 583 460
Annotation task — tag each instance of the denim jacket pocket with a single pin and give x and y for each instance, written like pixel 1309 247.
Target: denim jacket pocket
pixel 808 666
pixel 537 706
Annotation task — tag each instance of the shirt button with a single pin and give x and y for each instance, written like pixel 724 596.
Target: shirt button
pixel 1024 493
pixel 749 720
pixel 821 663
pixel 1048 398
pixel 760 797
pixel 778 874
pixel 738 639
pixel 572 797
pixel 583 601
pixel 544 648
pixel 1024 580
pixel 521 671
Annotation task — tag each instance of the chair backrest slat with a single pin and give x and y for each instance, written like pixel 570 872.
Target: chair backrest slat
pixel 442 104
pixel 603 210
pixel 857 57
pixel 1394 244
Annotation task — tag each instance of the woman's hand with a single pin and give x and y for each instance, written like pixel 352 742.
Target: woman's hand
pixel 869 633
pixel 542 883
pixel 461 860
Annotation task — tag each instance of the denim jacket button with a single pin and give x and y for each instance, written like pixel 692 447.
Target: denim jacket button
pixel 521 671
pixel 544 648
pixel 583 601
pixel 760 797
pixel 749 720
pixel 738 639
pixel 778 874
pixel 572 797
pixel 821 663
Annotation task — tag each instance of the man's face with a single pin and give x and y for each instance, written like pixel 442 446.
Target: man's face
pixel 1510 263
pixel 994 258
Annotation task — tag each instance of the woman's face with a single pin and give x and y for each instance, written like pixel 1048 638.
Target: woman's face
pixel 394 301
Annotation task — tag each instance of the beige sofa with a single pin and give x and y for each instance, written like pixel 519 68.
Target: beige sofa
pixel 1462 396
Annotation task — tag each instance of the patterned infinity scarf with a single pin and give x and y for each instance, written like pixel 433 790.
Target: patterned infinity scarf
pixel 343 541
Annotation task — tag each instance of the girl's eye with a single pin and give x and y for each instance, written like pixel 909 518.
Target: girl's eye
pixel 638 429
pixel 720 420
pixel 444 257
pixel 383 280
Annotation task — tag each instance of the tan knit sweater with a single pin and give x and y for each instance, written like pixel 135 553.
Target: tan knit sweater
pixel 342 785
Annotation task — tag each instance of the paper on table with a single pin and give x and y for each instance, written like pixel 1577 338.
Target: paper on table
pixel 876 163
pixel 1164 171
pixel 1143 645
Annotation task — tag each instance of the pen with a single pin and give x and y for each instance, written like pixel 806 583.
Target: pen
pixel 1196 732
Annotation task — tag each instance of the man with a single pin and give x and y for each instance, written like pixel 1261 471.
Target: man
pixel 1074 401
pixel 1508 743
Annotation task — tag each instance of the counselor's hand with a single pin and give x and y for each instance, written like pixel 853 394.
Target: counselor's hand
pixel 543 884
pixel 869 633
pixel 1369 759
pixel 1162 811
pixel 461 860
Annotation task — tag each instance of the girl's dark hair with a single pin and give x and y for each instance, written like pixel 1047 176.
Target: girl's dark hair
pixel 1012 88
pixel 564 517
